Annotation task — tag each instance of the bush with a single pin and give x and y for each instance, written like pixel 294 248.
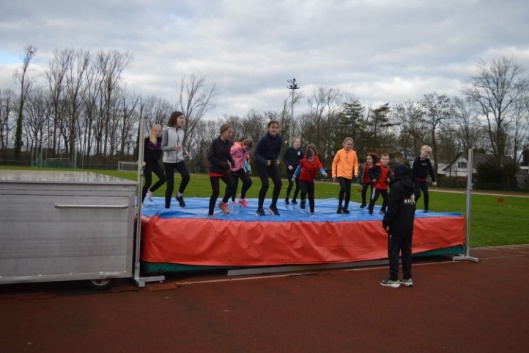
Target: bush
pixel 494 176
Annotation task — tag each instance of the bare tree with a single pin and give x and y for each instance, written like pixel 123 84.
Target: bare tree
pixel 497 89
pixel 128 122
pixel 411 133
pixel 437 109
pixel 325 105
pixel 7 107
pixel 194 100
pixel 253 125
pixel 37 111
pixel 110 65
pixel 468 130
pixel 520 129
pixel 25 85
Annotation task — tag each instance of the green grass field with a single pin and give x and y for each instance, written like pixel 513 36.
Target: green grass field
pixel 495 220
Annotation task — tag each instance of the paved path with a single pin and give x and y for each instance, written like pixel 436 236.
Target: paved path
pixel 453 307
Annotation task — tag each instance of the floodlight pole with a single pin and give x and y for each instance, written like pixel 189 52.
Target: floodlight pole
pixel 470 168
pixel 292 86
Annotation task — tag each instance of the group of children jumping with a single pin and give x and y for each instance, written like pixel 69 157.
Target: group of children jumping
pixel 229 162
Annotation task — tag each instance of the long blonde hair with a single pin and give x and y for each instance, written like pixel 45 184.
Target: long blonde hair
pixel 153 136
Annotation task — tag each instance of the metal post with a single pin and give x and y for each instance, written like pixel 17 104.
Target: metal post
pixel 292 86
pixel 140 281
pixel 470 168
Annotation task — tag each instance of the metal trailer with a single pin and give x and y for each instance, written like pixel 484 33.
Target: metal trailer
pixel 59 226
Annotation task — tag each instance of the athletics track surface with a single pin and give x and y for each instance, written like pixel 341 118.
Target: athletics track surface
pixel 453 307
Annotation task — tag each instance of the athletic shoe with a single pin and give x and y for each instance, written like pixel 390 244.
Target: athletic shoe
pixel 345 211
pixel 286 201
pixel 382 211
pixel 363 205
pixel 339 210
pixel 273 210
pixel 149 195
pixel 426 211
pixel 294 202
pixel 181 201
pixel 390 283
pixel 224 207
pixel 243 203
pixel 406 282
pixel 260 212
pixel 302 204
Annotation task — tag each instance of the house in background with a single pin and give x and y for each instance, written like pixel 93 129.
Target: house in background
pixel 458 169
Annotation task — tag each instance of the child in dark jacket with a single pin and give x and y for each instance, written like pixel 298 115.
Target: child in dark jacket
pixel 292 156
pixel 421 168
pixel 152 153
pixel 267 161
pixel 398 223
pixel 220 162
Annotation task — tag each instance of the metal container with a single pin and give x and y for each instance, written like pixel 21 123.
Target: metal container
pixel 59 226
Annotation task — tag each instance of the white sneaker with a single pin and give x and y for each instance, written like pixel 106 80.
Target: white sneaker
pixel 149 195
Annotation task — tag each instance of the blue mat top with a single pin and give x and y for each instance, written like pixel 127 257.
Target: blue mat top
pixel 324 211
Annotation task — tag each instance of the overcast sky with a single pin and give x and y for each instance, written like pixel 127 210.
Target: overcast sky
pixel 376 50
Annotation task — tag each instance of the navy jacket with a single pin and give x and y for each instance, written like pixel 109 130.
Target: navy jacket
pixel 292 156
pixel 268 148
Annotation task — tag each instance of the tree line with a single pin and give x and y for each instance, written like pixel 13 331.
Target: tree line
pixel 81 109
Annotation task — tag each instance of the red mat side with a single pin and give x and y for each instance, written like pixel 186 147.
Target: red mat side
pixel 237 243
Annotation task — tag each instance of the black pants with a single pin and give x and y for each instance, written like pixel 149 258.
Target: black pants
pixel 374 198
pixel 345 192
pixel 152 167
pixel 230 189
pixel 422 186
pixel 264 173
pixel 290 174
pixel 307 188
pixel 246 183
pixel 400 245
pixel 364 192
pixel 169 174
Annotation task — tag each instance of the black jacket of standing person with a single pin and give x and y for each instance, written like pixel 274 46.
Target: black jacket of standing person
pixel 400 214
pixel 219 155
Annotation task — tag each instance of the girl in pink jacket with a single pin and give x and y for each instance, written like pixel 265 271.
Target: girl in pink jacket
pixel 240 153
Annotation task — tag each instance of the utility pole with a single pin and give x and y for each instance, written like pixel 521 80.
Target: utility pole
pixel 292 86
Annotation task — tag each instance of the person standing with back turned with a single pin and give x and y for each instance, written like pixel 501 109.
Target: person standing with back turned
pixel 398 223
